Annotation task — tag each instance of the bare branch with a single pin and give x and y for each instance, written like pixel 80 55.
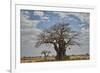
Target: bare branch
pixel 57 34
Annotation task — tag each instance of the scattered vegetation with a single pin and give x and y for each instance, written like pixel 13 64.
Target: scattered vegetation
pixel 52 58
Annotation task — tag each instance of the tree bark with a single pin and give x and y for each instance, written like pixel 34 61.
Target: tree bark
pixel 61 54
pixel 60 50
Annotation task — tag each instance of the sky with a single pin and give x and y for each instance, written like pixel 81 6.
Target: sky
pixel 33 22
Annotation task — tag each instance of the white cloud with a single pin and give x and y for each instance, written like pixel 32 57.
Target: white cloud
pixel 82 16
pixel 84 30
pixel 84 37
pixel 39 13
pixel 28 34
pixel 28 40
pixel 60 14
pixel 29 23
pixel 26 12
pixel 42 15
pixel 26 23
pixel 45 19
pixel 83 40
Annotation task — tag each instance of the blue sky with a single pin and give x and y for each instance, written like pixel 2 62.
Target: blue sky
pixel 53 18
pixel 34 22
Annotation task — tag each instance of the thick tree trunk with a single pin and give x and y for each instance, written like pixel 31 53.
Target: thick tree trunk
pixel 60 50
pixel 60 54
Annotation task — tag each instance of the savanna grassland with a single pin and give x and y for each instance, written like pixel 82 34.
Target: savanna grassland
pixel 52 58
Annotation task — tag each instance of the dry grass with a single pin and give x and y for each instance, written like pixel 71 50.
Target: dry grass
pixel 52 58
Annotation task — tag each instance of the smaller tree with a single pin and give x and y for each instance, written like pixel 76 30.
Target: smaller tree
pixel 46 54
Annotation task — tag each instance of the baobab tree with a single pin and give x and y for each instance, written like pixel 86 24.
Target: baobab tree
pixel 60 36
